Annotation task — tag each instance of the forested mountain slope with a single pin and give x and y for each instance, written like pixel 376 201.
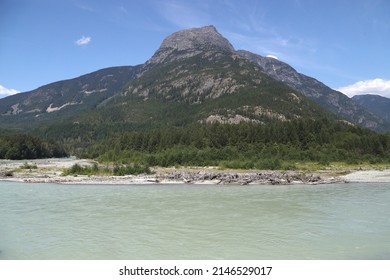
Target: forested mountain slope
pixel 197 101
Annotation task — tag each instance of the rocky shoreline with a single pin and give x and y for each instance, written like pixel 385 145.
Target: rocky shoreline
pixel 183 177
pixel 50 171
pixel 235 178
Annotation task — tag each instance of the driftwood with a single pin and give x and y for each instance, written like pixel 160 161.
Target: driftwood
pixel 271 177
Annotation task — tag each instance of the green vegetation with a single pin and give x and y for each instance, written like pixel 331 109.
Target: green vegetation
pixel 131 169
pixel 118 170
pixel 28 166
pixel 279 145
pixel 77 169
pixel 28 147
pixel 297 144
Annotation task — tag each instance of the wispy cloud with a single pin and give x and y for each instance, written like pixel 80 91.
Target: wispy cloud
pixel 85 7
pixel 83 41
pixel 265 43
pixel 123 10
pixel 7 91
pixel 374 86
pixel 184 15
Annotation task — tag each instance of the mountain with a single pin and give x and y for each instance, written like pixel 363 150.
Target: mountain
pixel 195 76
pixel 376 104
pixel 64 98
pixel 326 97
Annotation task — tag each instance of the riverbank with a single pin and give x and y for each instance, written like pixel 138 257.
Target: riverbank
pixel 50 171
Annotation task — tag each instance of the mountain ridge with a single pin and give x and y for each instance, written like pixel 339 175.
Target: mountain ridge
pixel 377 104
pixel 190 67
pixel 71 96
pixel 323 95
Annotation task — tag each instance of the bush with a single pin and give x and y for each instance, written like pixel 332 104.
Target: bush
pixel 26 165
pixel 7 173
pixel 131 169
pixel 77 169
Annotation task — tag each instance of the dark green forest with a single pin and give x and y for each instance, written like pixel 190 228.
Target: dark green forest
pixel 245 145
pixel 21 146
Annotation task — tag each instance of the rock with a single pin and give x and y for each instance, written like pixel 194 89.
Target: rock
pixel 193 41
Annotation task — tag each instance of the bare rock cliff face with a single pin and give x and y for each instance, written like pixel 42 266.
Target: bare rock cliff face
pixel 190 42
pixel 195 64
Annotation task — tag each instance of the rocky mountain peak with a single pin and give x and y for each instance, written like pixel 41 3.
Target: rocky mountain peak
pixel 196 38
pixel 192 41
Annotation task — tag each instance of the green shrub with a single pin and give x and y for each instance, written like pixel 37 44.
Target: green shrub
pixel 271 164
pixel 131 169
pixel 77 169
pixel 26 165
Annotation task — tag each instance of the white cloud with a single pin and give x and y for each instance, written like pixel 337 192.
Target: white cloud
pixel 83 41
pixel 375 86
pixel 272 56
pixel 6 91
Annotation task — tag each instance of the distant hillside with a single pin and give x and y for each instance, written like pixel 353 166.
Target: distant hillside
pixel 59 100
pixel 376 104
pixel 326 97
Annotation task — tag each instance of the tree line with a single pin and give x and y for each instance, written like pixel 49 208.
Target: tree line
pixel 23 146
pixel 276 145
pixel 245 145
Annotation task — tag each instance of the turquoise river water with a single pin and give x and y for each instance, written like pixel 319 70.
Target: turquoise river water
pixel 53 221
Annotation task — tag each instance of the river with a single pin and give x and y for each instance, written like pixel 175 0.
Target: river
pixel 334 221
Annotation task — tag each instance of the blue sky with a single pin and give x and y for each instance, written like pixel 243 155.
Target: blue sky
pixel 343 43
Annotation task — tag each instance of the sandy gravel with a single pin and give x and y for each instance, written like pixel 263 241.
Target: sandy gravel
pixel 374 176
pixel 50 171
pixel 51 166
